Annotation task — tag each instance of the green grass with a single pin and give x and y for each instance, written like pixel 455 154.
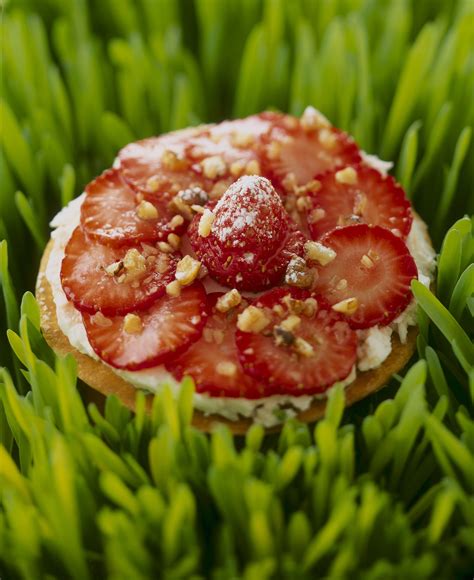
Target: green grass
pixel 383 490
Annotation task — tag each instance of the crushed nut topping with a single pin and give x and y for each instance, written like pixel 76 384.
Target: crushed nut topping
pixel 317 252
pixel 367 262
pixel 173 289
pixel 252 319
pixel 174 241
pixel 310 307
pixel 226 369
pixel 253 168
pixel 342 284
pixel 165 248
pixel 187 270
pixel 241 139
pixel 205 223
pixel 176 221
pixel 229 300
pixel 172 162
pixel 291 323
pixel 316 215
pixel 146 211
pixel 134 264
pixel 132 324
pixel 303 347
pixel 213 166
pixel 347 176
pixel 283 337
pixel 274 150
pixel 114 269
pixel 373 255
pixel 347 306
pixel 294 306
pixel 312 119
pixel 100 320
pixel 152 184
pixel 237 168
pixel 298 273
pixel 193 196
pixel 327 138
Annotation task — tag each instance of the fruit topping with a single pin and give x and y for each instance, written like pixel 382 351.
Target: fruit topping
pixel 151 337
pixel 357 195
pixel 368 280
pixel 297 151
pixel 213 360
pixel 112 213
pixel 114 280
pixel 303 347
pixel 247 240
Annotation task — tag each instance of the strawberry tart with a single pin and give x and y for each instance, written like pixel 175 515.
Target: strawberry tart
pixel 267 258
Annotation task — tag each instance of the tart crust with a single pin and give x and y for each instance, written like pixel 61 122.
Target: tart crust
pixel 101 381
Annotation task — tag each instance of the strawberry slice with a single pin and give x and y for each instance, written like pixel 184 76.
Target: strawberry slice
pixel 161 166
pixel 304 349
pixel 358 195
pixel 369 279
pixel 151 337
pixel 113 280
pixel 252 239
pixel 213 360
pixel 294 155
pixel 111 213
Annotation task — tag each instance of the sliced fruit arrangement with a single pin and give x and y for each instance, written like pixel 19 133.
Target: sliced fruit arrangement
pixel 292 342
pixel 114 214
pixel 247 240
pixel 265 203
pixel 354 195
pixel 147 338
pixel 112 280
pixel 368 276
pixel 213 360
pixel 297 151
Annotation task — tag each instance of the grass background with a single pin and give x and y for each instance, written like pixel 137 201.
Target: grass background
pixel 385 490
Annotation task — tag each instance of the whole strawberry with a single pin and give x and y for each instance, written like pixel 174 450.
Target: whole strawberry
pixel 248 239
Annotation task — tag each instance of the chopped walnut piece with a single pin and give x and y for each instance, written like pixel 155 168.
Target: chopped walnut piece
pixel 294 306
pixel 347 176
pixel 134 264
pixel 213 166
pixel 172 162
pixel 298 274
pixel 152 184
pixel 252 319
pixel 187 270
pixel 114 269
pixel 226 369
pixel 132 324
pixel 146 210
pixel 193 196
pixel 241 139
pixel 176 221
pixel 283 337
pixel 173 289
pixel 317 252
pixel 310 307
pixel 347 306
pixel 367 262
pixel 205 223
pixel 165 248
pixel 303 347
pixel 253 168
pixel 174 241
pixel 291 323
pixel 100 320
pixel 229 300
pixel 327 138
pixel 237 168
pixel 316 215
pixel 312 119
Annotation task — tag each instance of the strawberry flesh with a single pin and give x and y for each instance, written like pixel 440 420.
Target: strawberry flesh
pixel 374 199
pixel 371 265
pixel 275 357
pixel 169 326
pixel 213 360
pixel 87 284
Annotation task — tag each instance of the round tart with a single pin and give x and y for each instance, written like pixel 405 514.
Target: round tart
pixel 267 258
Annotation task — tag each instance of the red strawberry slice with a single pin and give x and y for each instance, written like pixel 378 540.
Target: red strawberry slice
pixel 252 238
pixel 96 277
pixel 213 360
pixel 290 149
pixel 111 213
pixel 358 195
pixel 151 337
pixel 319 351
pixel 161 166
pixel 371 265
